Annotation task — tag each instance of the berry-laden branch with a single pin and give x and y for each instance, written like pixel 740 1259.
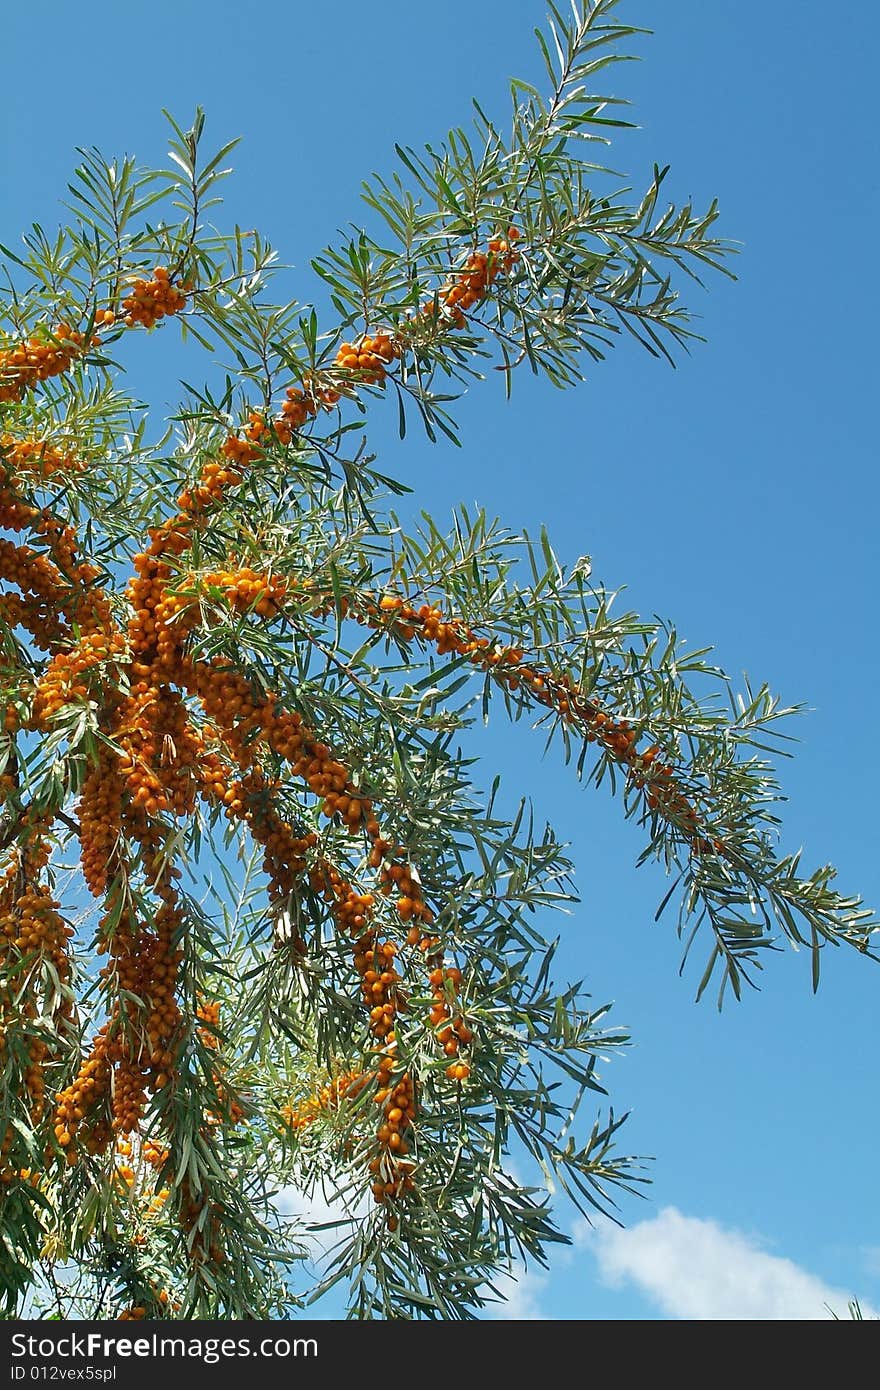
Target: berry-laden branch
pixel 371 1003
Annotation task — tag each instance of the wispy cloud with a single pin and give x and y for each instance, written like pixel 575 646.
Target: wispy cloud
pixel 319 1208
pixel 521 1291
pixel 698 1270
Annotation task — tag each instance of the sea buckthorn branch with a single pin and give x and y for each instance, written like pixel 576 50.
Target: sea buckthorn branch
pixel 594 266
pixel 38 458
pixel 130 781
pixel 135 1175
pixel 328 778
pixel 54 352
pixel 264 595
pixel 442 1026
pixel 343 1086
pixel 37 617
pixel 45 355
pixel 134 1050
pixel 36 1001
pixel 647 773
pixel 229 1110
pixel 143 1282
pixel 503 1073
pixel 728 851
pixel 393 1173
pixel 129 1102
pixel 373 958
pixel 224 693
pixel 249 799
pixel 368 358
pixel 36 576
pixel 558 691
pixel 365 361
pixel 726 847
pixel 140 1041
pixel 60 577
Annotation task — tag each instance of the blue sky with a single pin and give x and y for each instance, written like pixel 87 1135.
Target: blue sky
pixel 735 496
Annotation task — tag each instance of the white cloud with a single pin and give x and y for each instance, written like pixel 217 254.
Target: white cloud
pixel 521 1291
pixel 318 1208
pixel 697 1270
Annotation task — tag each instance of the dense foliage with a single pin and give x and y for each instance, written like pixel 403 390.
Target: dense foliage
pixel 259 930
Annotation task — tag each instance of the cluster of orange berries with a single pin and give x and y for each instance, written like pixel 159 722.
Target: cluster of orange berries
pixel 398 1108
pixel 33 924
pixel 247 591
pixel 344 1087
pixel 152 1155
pixel 33 573
pixel 157 769
pixel 151 300
pixel 143 1050
pixel 297 409
pixel 63 679
pixel 369 356
pixel 239 449
pixel 452 1030
pixel 558 691
pixel 245 719
pixel 471 284
pixel 52 588
pixel 99 812
pixel 46 597
pixel 227 692
pixel 204 1236
pixel 215 477
pixel 208 1012
pixel 75 1104
pixel 392 1174
pixel 301 405
pixel 9 1174
pixel 247 799
pixel 145 592
pixel 391 1171
pixel 374 962
pixel 447 635
pixel 159 958
pixel 32 932
pixel 37 618
pixel 134 1051
pixel 18 515
pixel 37 456
pixel 329 779
pixel 402 879
pixel 38 359
pixel 161 749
